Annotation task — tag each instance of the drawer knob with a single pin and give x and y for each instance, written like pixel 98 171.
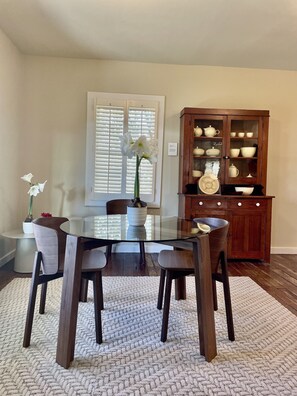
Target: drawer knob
pixel 239 204
pixel 258 204
pixel 219 203
pixel 200 203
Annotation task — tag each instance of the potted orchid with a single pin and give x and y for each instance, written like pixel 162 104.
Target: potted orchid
pixel 141 148
pixel 34 190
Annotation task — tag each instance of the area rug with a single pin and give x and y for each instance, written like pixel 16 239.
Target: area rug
pixel 133 361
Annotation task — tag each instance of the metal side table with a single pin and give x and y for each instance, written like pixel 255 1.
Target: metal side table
pixel 25 250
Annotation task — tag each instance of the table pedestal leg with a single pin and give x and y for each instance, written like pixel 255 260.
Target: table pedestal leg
pixel 24 255
pixel 69 301
pixel 180 288
pixel 204 296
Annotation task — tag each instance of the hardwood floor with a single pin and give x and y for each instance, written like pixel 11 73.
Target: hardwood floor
pixel 279 278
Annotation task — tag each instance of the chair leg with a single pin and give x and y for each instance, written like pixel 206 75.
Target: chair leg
pixel 161 288
pixel 227 297
pixel 42 298
pixel 215 297
pixel 32 300
pixel 166 306
pixel 100 292
pixel 97 307
pixel 142 254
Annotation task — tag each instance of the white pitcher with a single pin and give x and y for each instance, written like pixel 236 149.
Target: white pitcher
pixel 233 171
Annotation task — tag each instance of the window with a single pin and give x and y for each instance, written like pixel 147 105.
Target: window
pixel 109 175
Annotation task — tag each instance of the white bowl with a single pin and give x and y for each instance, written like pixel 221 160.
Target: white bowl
pixel 196 173
pixel 234 152
pixel 245 190
pixel 248 151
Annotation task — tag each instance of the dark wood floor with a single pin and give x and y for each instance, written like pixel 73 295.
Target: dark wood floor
pixel 279 278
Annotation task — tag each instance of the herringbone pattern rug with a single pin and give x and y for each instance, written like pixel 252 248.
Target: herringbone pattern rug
pixel 133 361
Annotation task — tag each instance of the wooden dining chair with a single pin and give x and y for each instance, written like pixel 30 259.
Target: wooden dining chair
pixel 119 206
pixel 49 265
pixel 179 263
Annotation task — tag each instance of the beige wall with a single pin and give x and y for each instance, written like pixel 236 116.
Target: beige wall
pixel 56 123
pixel 52 132
pixel 11 69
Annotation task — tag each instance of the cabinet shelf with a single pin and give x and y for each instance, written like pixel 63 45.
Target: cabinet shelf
pixel 218 157
pixel 213 138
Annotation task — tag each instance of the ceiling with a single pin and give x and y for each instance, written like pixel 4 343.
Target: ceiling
pixel 233 33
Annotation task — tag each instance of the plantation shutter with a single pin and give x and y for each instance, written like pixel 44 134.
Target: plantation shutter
pixel 110 175
pixel 108 157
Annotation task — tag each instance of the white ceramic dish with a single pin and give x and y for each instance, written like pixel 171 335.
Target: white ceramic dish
pixel 245 190
pixel 209 184
pixel 205 228
pixel 213 152
pixel 234 152
pixel 198 151
pixel 197 173
pixel 248 151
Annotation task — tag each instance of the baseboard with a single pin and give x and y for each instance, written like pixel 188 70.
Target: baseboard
pixel 283 250
pixel 134 247
pixel 7 257
pixel 156 248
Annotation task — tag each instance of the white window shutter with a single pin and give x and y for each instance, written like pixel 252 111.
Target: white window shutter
pixel 111 175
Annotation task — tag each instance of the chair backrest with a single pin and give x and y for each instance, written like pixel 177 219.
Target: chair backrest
pixel 217 239
pixel 117 206
pixel 51 242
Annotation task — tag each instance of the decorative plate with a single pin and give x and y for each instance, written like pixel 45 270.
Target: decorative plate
pixel 209 184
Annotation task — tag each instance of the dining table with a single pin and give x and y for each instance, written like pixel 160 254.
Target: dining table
pixel 103 230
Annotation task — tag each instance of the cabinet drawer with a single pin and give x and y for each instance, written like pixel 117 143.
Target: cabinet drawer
pixel 256 204
pixel 202 203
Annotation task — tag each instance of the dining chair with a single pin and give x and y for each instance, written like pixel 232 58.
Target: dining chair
pixel 48 265
pixel 119 206
pixel 179 263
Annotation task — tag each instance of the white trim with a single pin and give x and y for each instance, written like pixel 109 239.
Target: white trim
pixel 7 257
pixel 283 250
pixel 131 247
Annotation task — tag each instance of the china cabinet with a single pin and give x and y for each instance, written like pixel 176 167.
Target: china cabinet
pixel 227 149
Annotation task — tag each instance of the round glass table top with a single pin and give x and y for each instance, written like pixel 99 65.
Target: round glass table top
pixel 116 228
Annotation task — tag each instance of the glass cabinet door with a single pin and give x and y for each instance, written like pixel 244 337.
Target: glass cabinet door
pixel 244 135
pixel 208 146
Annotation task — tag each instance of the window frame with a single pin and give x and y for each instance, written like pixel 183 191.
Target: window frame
pixel 91 198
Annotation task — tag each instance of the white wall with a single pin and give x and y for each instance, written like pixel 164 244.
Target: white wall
pixel 52 135
pixel 11 69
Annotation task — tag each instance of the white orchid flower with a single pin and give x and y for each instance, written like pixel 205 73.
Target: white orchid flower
pixel 41 186
pixel 34 190
pixel 142 148
pixel 27 178
pixel 126 145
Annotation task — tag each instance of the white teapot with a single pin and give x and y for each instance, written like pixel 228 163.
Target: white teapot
pixel 211 131
pixel 233 171
pixel 198 131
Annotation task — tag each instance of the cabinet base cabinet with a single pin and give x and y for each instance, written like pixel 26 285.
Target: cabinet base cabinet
pixel 249 217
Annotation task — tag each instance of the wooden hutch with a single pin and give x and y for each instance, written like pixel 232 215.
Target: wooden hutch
pixel 249 215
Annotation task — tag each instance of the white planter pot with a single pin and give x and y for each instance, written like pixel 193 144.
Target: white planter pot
pixel 136 216
pixel 27 227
